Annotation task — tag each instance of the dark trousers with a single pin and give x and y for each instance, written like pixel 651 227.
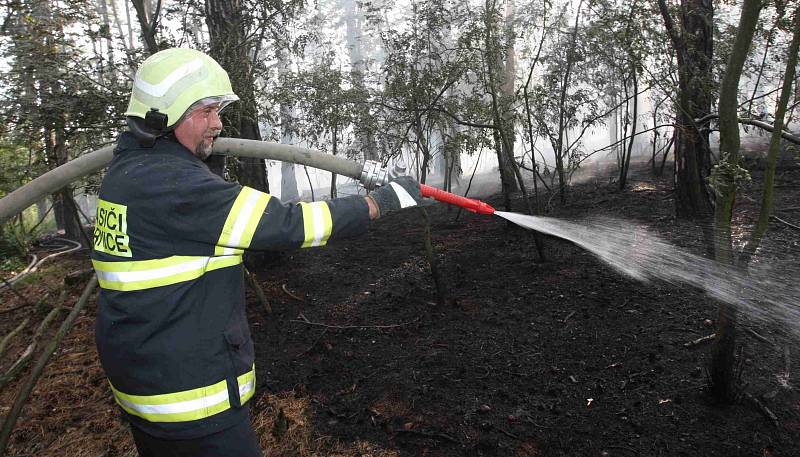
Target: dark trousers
pixel 237 441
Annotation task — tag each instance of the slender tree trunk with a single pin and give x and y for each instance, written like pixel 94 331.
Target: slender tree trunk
pixel 627 161
pixel 723 380
pixel 507 80
pixel 228 27
pixel 562 121
pixel 353 19
pixel 118 24
pixel 502 143
pixel 289 189
pixel 335 146
pixel 147 22
pixel 767 195
pixel 109 66
pixel 130 25
pixel 67 209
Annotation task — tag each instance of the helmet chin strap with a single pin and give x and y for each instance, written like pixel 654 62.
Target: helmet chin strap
pixel 148 129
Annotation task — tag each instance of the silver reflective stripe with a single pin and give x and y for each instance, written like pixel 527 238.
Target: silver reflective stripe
pixel 406 200
pixel 156 273
pixel 158 90
pixel 178 407
pixel 246 388
pixel 317 224
pixel 147 274
pixel 320 229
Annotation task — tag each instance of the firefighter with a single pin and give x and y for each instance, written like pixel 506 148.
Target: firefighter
pixel 171 329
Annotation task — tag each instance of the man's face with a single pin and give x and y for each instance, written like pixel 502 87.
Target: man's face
pixel 198 130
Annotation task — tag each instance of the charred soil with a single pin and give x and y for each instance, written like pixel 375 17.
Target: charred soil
pixel 562 357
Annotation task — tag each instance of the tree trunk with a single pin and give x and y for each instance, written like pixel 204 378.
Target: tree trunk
pixel 147 22
pixel 623 178
pixel 63 202
pixel 694 48
pixel 562 122
pixel 108 69
pixel 130 25
pixel 507 79
pixel 118 24
pixel 767 195
pixel 723 380
pixel 289 189
pixel 50 91
pixel 333 175
pixel 502 142
pixel 228 27
pixel 353 19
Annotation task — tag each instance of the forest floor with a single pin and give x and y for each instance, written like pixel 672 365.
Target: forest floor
pixel 525 358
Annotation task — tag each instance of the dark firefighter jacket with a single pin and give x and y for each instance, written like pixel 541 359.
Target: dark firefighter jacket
pixel 171 328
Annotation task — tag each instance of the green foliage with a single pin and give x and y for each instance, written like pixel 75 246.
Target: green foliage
pixel 11 263
pixel 726 176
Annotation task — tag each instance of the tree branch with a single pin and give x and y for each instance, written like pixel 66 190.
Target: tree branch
pixel 760 124
pixel 669 24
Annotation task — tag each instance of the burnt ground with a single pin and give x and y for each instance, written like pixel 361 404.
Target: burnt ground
pixel 525 358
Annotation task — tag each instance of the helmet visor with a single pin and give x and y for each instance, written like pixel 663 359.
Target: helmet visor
pixel 222 100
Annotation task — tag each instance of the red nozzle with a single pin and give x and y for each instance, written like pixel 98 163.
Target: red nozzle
pixel 469 204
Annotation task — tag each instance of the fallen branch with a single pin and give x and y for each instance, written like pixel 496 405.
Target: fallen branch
pixel 291 294
pixel 439 435
pixel 11 335
pixel 27 354
pixel 25 305
pixel 766 411
pixel 776 218
pixel 253 283
pixel 755 335
pixel 791 208
pixel 36 372
pixel 12 309
pixel 785 134
pixel 699 341
pixel 25 301
pixel 313 345
pixel 304 320
pixel 505 432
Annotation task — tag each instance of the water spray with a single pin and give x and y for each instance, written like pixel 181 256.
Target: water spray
pixel 634 251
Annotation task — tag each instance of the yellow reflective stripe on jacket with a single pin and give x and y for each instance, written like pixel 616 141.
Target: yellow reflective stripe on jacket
pixel 316 223
pixel 247 385
pixel 242 220
pixel 187 405
pixel 147 274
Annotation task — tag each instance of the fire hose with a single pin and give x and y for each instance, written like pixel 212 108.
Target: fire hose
pixel 370 174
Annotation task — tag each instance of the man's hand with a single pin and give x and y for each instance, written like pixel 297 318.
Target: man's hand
pixel 399 193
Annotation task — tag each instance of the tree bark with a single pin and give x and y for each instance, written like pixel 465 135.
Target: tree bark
pixel 495 84
pixel 562 122
pixel 353 19
pixel 147 23
pixel 289 190
pixel 626 162
pixel 694 46
pixel 723 381
pixel 228 26
pixel 767 196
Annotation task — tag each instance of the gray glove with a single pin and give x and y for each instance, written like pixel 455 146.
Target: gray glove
pixel 400 193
